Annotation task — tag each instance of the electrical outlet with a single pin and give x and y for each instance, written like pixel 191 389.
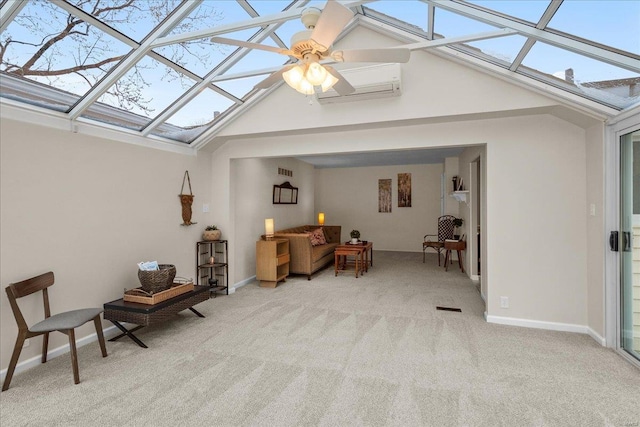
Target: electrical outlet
pixel 205 207
pixel 504 302
pixel 26 343
pixel 592 209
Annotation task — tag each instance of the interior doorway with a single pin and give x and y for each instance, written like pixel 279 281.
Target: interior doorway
pixel 474 241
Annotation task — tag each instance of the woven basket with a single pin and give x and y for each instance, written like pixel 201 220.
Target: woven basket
pixel 157 280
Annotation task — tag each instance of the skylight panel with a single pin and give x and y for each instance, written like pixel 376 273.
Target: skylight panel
pixel 195 117
pixel 152 86
pixel 135 21
pixel 258 59
pixel 268 7
pixel 201 56
pixel 450 24
pixel 240 87
pixel 37 50
pixel 613 23
pixel 527 10
pixel 588 77
pixel 411 12
pixel 211 14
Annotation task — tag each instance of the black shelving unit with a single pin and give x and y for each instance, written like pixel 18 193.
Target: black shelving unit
pixel 215 275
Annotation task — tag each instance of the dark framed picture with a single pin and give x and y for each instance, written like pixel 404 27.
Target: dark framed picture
pixel 285 194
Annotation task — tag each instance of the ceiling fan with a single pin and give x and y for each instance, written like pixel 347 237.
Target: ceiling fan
pixel 312 45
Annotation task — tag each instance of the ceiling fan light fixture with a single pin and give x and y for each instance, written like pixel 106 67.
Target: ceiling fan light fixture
pixel 295 78
pixel 328 82
pixel 316 74
pixel 304 78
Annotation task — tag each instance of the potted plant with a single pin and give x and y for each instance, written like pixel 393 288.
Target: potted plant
pixel 355 235
pixel 457 222
pixel 211 233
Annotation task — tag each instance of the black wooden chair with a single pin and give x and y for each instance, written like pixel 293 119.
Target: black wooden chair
pixel 63 322
pixel 436 241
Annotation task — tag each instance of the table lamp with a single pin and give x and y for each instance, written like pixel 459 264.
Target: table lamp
pixel 268 228
pixel 321 218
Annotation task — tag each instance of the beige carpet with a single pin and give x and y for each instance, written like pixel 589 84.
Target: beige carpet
pixel 337 351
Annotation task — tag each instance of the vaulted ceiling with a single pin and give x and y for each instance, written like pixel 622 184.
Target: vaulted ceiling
pixel 148 68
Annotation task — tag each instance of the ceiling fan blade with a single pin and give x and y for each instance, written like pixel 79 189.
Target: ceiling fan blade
pixel 274 77
pixel 333 19
pixel 250 45
pixel 343 87
pixel 372 55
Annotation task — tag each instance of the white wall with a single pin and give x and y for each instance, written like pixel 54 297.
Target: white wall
pixel 595 228
pixel 349 197
pixel 252 182
pixel 88 209
pixel 536 198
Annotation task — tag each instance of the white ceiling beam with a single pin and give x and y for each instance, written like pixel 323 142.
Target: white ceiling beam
pixel 9 11
pixel 428 44
pixel 229 28
pixel 431 12
pixel 542 24
pixel 132 59
pixel 562 42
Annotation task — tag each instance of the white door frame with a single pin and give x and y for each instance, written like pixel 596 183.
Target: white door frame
pixel 614 131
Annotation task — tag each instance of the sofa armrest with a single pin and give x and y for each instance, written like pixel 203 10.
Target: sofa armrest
pixel 300 251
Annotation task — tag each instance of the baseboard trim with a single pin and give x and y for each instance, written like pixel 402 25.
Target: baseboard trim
pixel 475 277
pixel 59 351
pixel 551 326
pixel 243 282
pixel 596 336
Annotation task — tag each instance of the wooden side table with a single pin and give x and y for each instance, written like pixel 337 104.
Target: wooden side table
pixel 343 252
pixel 368 252
pixel 272 262
pixel 457 246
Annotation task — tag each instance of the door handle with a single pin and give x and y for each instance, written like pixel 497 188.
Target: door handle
pixel 613 241
pixel 628 239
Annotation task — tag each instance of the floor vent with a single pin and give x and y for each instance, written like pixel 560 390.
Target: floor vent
pixel 448 309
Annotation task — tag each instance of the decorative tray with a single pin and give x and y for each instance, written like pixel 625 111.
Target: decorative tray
pixel 142 297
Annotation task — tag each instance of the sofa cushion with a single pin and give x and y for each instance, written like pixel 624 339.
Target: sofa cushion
pixel 317 237
pixel 322 250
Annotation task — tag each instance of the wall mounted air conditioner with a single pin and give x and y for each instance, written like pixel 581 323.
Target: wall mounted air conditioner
pixel 375 81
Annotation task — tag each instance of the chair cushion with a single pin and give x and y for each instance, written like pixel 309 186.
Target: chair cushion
pixel 68 320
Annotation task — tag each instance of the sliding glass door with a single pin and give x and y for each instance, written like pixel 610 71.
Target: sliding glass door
pixel 629 243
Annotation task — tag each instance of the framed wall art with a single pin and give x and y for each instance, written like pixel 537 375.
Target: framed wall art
pixel 404 190
pixel 384 195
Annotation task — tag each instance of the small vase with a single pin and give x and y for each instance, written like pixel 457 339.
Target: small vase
pixel 211 235
pixel 354 240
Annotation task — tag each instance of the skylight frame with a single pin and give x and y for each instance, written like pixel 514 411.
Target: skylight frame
pixel 401 30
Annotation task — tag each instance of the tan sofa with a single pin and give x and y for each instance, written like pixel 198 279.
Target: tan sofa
pixel 305 258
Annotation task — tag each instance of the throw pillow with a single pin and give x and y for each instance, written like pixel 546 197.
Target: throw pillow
pixel 317 237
